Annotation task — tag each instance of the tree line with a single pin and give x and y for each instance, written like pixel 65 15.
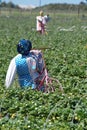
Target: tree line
pixel 8 5
pixel 51 7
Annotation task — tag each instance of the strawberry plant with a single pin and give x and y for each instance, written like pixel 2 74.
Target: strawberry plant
pixel 26 109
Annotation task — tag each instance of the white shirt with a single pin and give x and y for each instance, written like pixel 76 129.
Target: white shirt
pixel 10 73
pixel 40 20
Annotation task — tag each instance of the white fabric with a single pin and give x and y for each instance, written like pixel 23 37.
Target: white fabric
pixel 32 68
pixel 40 20
pixel 44 20
pixel 11 72
pixel 32 65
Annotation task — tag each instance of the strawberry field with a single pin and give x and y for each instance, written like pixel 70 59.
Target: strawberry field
pixel 66 60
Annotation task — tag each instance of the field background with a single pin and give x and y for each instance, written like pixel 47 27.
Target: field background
pixel 66 61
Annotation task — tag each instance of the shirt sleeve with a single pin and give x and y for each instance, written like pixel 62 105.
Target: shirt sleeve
pixel 10 73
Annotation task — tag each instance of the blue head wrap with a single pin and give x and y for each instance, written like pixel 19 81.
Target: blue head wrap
pixel 24 46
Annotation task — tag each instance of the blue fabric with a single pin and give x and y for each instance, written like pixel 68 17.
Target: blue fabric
pixel 24 46
pixel 25 79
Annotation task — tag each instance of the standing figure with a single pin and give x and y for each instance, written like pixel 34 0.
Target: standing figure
pixel 29 66
pixel 40 25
